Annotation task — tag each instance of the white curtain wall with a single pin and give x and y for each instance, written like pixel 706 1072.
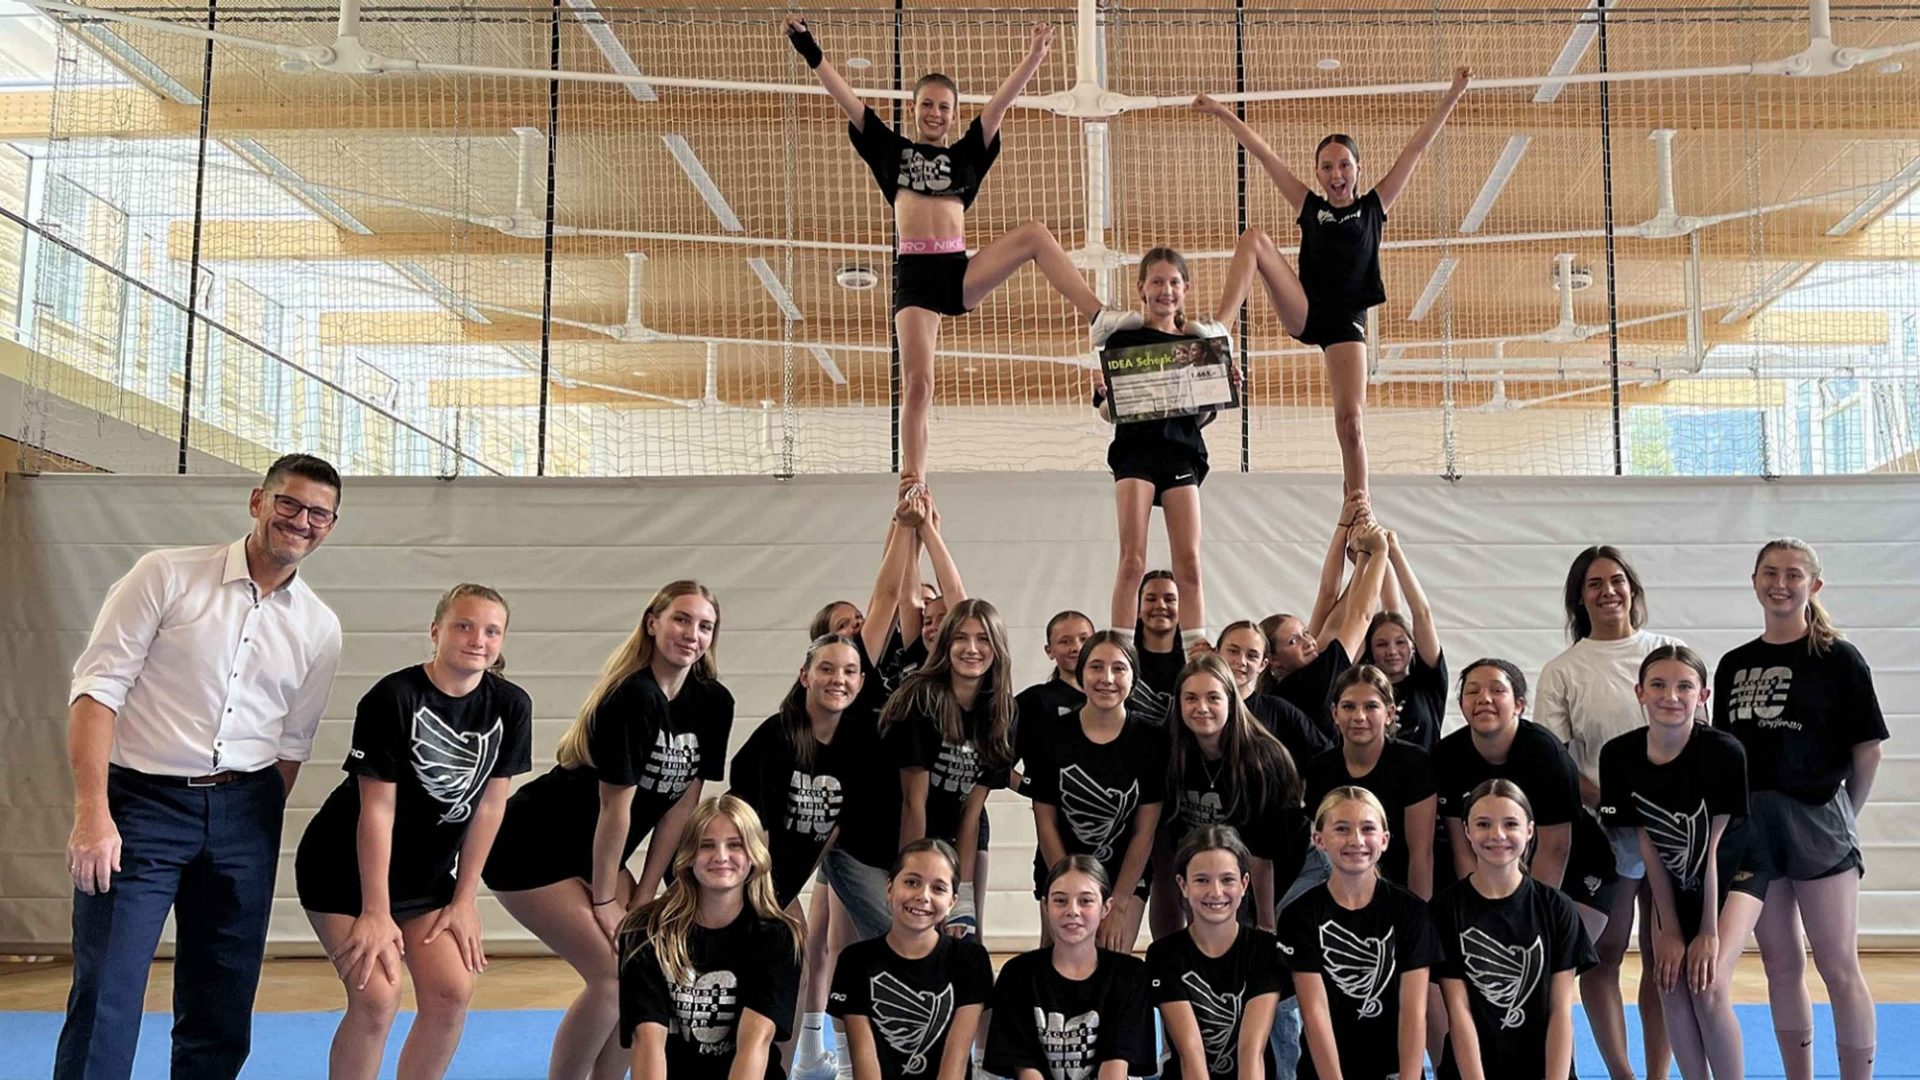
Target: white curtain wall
pixel 578 559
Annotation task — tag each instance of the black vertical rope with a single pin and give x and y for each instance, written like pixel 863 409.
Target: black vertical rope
pixel 893 328
pixel 1240 226
pixel 1606 195
pixel 193 259
pixel 546 270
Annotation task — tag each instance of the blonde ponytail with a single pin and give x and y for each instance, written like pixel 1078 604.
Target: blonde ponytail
pixel 1821 632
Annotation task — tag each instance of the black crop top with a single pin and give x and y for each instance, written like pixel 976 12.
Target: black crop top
pixel 898 162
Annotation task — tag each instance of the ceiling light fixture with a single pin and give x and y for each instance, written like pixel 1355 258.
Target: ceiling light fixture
pixel 1327 63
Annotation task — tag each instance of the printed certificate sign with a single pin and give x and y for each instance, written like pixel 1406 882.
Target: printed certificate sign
pixel 1170 378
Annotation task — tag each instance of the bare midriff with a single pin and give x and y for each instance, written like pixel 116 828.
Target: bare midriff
pixel 928 217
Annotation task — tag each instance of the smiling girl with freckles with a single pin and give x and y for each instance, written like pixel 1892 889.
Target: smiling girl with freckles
pixel 1360 948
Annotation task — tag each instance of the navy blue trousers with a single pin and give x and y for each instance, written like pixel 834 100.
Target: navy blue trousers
pixel 209 855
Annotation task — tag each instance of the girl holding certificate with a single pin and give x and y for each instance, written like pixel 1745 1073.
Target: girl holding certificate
pixel 1163 462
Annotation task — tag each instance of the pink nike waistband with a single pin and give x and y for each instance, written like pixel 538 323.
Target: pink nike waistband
pixel 943 245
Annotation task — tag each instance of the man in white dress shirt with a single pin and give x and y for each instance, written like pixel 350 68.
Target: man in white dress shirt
pixel 191 710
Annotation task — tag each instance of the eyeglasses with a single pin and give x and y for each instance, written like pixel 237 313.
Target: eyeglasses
pixel 289 507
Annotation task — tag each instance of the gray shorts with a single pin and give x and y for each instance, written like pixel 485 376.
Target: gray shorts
pixel 1807 842
pixel 861 890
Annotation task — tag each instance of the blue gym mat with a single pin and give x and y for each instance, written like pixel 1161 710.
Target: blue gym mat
pixel 512 1045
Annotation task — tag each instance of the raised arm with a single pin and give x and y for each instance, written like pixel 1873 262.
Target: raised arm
pixel 1390 185
pixel 1290 185
pixel 881 606
pixel 809 50
pixel 1039 40
pixel 1426 637
pixel 1352 512
pixel 911 612
pixel 1348 620
pixel 946 573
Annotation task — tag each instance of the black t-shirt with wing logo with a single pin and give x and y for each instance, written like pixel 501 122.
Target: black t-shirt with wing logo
pixel 1340 252
pixel 910 1004
pixel 801 805
pixel 1218 989
pixel 900 164
pixel 1097 788
pixel 1506 951
pixel 1360 957
pixel 1798 715
pixel 748 965
pixel 1676 802
pixel 1063 1028
pixel 439 752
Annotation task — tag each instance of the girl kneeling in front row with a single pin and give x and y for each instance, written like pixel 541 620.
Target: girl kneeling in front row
pixel 1360 948
pixel 911 998
pixel 1510 950
pixel 1072 1010
pixel 709 972
pixel 1216 982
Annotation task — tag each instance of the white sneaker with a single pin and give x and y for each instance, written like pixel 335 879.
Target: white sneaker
pixel 1111 321
pixel 816 1068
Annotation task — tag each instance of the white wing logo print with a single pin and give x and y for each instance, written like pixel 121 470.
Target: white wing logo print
pixel 1096 813
pixel 452 765
pixel 913 1022
pixel 1680 838
pixel 1218 1016
pixel 1360 967
pixel 1506 975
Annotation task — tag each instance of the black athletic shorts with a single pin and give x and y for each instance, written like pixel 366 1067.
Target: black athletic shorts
pixel 1590 873
pixel 935 282
pixel 1165 465
pixel 1742 864
pixel 1330 325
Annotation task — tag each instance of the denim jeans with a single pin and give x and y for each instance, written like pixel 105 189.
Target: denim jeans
pixel 1286 1019
pixel 209 855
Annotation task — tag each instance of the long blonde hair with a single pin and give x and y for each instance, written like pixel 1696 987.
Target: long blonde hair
pixel 634 654
pixel 1821 633
pixel 666 922
pixel 929 690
